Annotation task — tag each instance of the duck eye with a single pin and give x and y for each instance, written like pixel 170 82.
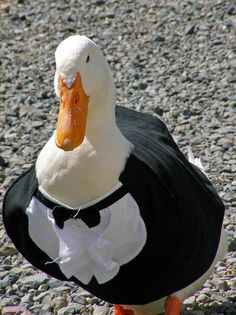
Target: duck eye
pixel 88 58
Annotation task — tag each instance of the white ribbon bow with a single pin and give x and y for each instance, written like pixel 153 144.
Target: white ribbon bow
pixel 83 252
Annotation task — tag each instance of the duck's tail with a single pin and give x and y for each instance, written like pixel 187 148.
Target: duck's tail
pixel 195 161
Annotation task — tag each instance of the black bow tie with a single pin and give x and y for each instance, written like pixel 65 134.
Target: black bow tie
pixel 89 215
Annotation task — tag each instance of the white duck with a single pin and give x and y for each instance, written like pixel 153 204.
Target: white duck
pixel 85 162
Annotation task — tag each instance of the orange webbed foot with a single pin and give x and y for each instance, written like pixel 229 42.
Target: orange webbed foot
pixel 119 310
pixel 173 306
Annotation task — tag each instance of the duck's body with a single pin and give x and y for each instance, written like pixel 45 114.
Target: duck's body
pixel 158 220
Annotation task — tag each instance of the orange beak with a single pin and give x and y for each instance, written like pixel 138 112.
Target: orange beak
pixel 71 124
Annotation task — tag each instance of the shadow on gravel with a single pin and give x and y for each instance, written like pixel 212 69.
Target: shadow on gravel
pixel 226 308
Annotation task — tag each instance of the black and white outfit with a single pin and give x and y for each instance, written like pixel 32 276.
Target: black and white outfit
pixel 156 231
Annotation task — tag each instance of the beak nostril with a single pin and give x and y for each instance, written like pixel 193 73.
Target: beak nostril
pixel 77 99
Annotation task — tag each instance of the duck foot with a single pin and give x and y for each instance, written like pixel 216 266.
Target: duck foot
pixel 173 306
pixel 119 310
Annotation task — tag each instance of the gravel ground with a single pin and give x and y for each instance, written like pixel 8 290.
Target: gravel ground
pixel 173 59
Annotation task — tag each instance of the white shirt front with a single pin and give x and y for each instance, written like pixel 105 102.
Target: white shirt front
pixel 85 252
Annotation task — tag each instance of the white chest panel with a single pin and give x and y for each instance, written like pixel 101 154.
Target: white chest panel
pixel 85 252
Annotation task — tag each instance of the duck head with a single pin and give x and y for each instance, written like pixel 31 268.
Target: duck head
pixel 84 84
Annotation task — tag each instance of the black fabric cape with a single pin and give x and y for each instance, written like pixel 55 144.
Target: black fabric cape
pixel 182 212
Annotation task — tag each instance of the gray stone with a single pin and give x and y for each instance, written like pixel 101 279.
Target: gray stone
pixel 222 286
pixel 41 296
pixel 7 262
pixel 202 298
pixel 35 309
pixel 61 290
pixel 100 310
pixel 3 274
pixel 27 298
pixel 6 250
pixel 11 291
pixel 71 308
pixel 43 287
pixel 7 310
pixel 58 303
pixel 232 283
pixel 47 299
pixel 159 38
pixel 54 283
pixel 33 281
pixel 232 10
pixel 143 86
pixel 218 298
pixel 79 299
pixel 3 163
pixel 37 124
pixel 29 313
pixel 190 301
pixel 190 29
pixel 3 284
pixel 10 301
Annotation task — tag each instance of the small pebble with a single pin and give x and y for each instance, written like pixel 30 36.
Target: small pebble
pixel 190 301
pixel 58 303
pixel 100 310
pixel 202 298
pixel 6 310
pixel 6 250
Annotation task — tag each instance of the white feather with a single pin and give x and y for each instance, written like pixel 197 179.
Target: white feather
pixel 195 161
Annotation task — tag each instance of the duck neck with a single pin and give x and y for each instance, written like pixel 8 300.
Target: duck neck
pixel 101 112
pixel 102 132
